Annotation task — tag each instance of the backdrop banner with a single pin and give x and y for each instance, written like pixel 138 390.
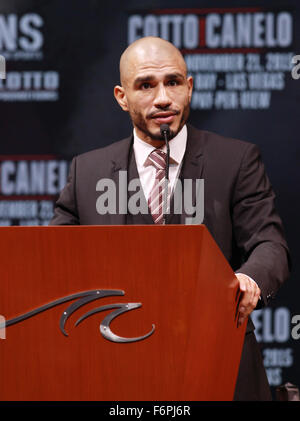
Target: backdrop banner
pixel 59 62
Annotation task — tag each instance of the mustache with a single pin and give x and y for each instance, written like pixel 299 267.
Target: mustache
pixel 163 110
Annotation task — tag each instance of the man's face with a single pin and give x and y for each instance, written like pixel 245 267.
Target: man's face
pixel 157 91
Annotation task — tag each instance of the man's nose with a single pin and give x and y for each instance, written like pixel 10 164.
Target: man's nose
pixel 162 99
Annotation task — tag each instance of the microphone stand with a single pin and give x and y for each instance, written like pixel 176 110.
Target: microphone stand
pixel 165 131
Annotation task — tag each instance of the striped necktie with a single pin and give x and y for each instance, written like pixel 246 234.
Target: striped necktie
pixel 157 194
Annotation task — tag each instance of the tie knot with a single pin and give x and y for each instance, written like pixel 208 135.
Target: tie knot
pixel 158 159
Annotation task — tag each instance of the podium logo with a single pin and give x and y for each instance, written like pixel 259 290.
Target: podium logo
pixel 82 299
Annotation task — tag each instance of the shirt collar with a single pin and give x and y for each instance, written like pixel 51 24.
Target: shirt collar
pixel 177 148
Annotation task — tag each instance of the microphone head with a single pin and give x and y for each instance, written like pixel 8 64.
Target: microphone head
pixel 164 128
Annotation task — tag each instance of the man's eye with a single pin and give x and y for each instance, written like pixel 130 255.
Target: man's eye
pixel 145 85
pixel 172 83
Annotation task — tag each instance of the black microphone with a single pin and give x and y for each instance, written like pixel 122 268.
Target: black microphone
pixel 165 132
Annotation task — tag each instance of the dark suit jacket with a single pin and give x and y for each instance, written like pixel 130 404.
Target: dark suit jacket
pixel 239 202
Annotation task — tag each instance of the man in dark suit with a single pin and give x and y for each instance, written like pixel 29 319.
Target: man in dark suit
pixel 239 206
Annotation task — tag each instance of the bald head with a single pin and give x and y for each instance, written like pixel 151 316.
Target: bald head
pixel 155 88
pixel 144 50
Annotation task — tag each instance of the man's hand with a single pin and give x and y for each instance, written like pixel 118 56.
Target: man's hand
pixel 250 295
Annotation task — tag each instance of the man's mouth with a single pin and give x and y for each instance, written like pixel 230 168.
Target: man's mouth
pixel 164 117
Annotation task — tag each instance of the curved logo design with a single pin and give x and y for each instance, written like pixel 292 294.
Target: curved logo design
pixel 82 299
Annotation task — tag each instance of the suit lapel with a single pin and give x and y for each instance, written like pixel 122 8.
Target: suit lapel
pixel 119 162
pixel 140 218
pixel 193 163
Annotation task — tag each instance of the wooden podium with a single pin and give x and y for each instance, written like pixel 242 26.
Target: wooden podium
pixel 187 291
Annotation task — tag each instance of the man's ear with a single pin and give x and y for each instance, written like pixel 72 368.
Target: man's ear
pixel 120 96
pixel 190 86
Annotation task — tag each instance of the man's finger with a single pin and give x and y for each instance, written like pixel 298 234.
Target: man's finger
pixel 250 294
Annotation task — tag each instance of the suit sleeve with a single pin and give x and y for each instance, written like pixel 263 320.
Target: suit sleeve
pixel 258 228
pixel 65 210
